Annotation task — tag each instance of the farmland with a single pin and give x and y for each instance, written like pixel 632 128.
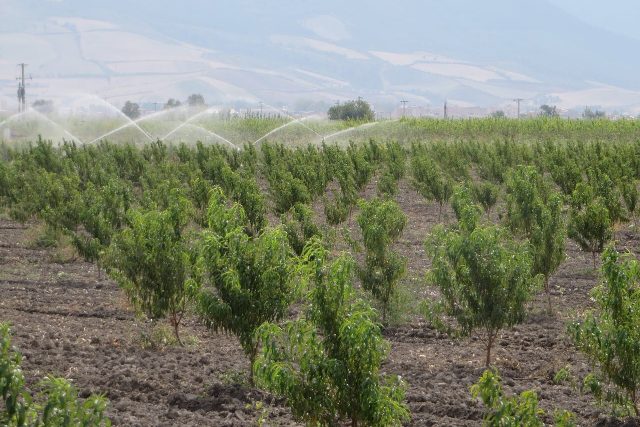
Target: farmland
pixel 155 273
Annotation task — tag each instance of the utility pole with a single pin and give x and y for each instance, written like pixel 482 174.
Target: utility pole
pixel 155 106
pixel 404 107
pixel 517 101
pixel 22 94
pixel 260 109
pixel 445 109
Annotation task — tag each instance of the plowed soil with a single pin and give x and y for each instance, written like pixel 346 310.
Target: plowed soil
pixel 71 321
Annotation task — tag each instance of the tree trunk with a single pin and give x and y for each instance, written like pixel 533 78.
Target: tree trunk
pixel 354 422
pixel 175 322
pixel 548 291
pixel 490 338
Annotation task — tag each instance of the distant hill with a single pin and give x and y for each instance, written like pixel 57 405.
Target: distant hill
pixel 307 55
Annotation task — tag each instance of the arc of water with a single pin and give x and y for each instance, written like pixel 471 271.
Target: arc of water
pixel 12 117
pixel 136 121
pixel 130 121
pixel 112 131
pixel 45 118
pixel 215 135
pixel 291 117
pixel 190 119
pixel 292 122
pixel 365 125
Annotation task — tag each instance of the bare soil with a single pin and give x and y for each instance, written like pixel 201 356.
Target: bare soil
pixel 71 321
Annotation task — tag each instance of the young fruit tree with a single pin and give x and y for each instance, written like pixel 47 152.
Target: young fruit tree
pixel 152 261
pixel 547 240
pixel 250 278
pixel 526 191
pixel 484 276
pixel 327 364
pixel 590 224
pixel 430 182
pixel 534 211
pixel 610 336
pixel 382 223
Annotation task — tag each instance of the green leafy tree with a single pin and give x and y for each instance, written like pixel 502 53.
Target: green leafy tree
pixel 610 336
pixel 172 103
pixel 485 277
pixel 381 223
pixel 590 114
pixel 513 411
pixel 526 191
pixel 548 111
pixel 131 110
pixel 589 225
pixel 152 261
pixel 430 182
pixel 195 100
pixel 327 364
pixel 250 278
pixel 351 110
pixel 56 405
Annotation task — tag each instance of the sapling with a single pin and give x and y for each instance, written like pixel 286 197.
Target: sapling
pixel 152 261
pixel 381 223
pixel 484 276
pixel 590 224
pixel 250 278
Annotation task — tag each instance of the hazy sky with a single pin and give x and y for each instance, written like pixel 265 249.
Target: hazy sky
pixel 619 16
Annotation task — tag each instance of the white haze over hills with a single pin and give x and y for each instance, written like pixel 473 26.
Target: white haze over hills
pixel 307 54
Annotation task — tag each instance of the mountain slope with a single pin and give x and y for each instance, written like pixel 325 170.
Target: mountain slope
pixel 472 53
